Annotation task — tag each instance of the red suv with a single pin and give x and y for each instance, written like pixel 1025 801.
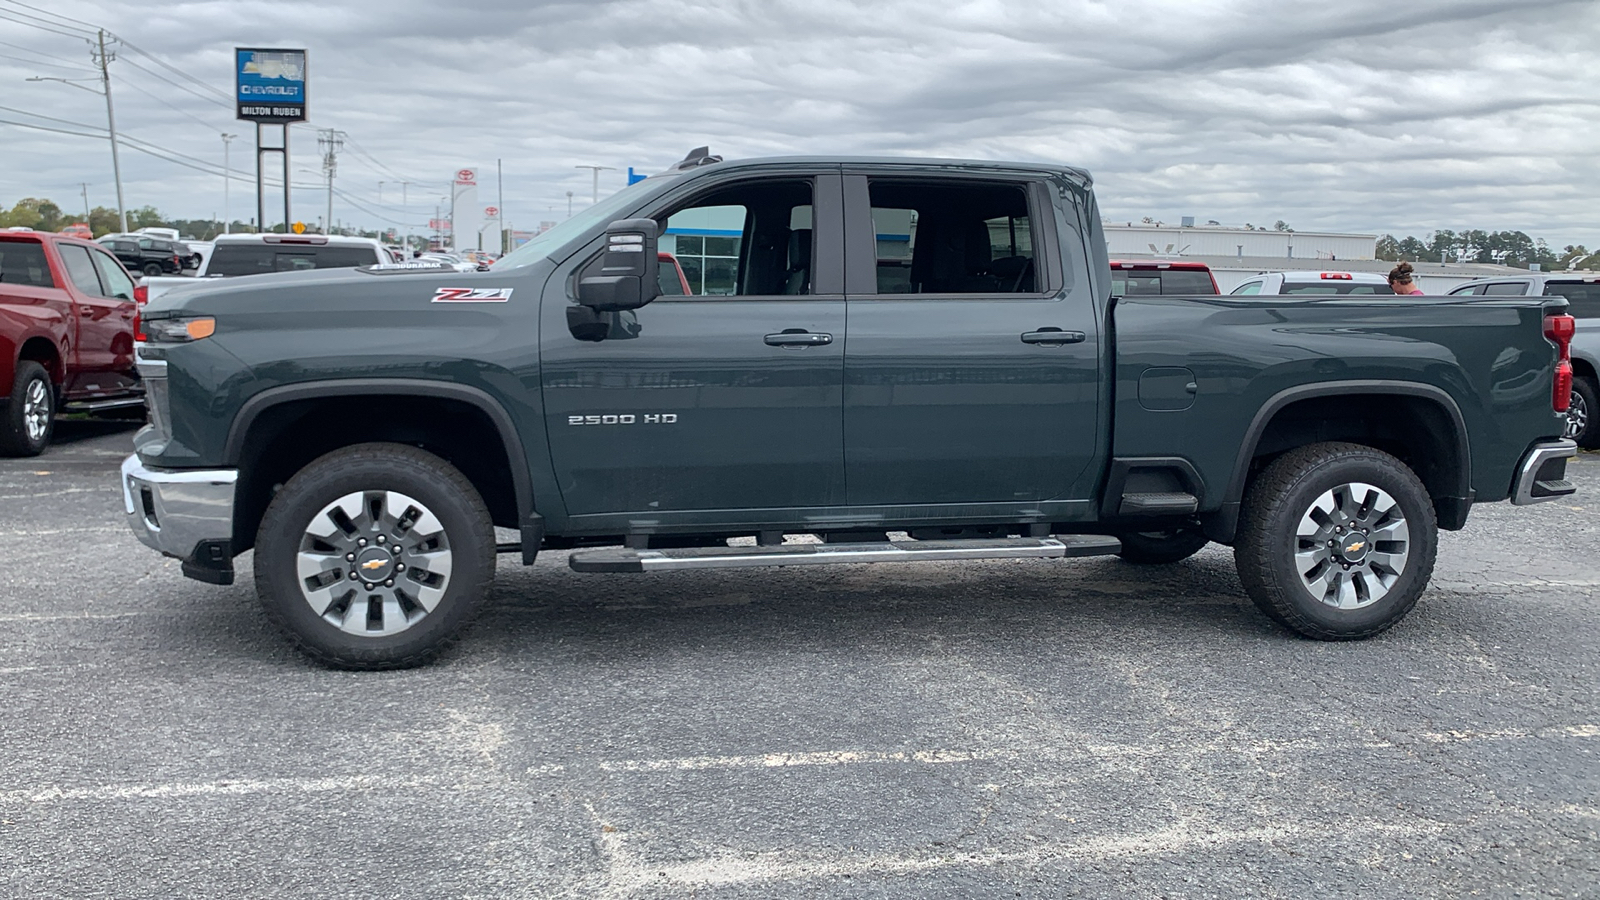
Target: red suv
pixel 66 335
pixel 1159 276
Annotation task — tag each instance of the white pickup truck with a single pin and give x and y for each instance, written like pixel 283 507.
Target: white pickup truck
pixel 259 254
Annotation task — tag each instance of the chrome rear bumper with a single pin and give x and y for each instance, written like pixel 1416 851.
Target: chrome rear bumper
pixel 1543 473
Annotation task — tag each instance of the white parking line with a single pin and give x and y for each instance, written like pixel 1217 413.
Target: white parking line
pixel 818 758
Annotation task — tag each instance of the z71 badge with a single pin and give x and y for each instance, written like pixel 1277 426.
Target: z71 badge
pixel 472 295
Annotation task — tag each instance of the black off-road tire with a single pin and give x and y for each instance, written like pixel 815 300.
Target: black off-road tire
pixel 29 388
pixel 438 487
pixel 152 269
pixel 1159 548
pixel 1586 398
pixel 1276 502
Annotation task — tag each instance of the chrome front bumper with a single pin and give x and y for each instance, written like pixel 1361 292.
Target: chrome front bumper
pixel 184 513
pixel 1543 473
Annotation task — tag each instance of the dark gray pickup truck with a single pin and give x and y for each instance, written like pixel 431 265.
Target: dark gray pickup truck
pixel 877 360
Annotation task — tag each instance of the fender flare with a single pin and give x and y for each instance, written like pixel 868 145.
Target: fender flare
pixel 1452 508
pixel 531 523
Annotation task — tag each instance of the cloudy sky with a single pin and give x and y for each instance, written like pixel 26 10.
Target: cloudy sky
pixel 1351 115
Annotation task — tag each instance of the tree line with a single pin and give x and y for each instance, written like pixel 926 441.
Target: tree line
pixel 1510 248
pixel 44 215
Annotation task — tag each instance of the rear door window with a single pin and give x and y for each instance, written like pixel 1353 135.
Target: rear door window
pixel 950 237
pixel 1506 289
pixel 112 277
pixel 23 262
pixel 1462 292
pixel 80 269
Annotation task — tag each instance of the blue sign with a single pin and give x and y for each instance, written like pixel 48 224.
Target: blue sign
pixel 270 85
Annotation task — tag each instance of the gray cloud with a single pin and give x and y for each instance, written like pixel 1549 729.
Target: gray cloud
pixel 1351 116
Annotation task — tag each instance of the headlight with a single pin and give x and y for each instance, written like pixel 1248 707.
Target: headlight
pixel 178 331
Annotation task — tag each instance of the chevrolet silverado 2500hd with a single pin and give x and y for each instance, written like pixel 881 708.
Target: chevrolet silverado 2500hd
pixel 902 359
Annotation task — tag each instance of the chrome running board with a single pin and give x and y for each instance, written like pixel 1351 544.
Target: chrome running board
pixel 617 560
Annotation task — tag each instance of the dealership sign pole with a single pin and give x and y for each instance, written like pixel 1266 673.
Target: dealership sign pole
pixel 270 87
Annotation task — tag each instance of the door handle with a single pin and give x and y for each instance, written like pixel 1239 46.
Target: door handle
pixel 1054 336
pixel 796 337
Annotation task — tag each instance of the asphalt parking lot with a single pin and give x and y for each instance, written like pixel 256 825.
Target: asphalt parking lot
pixel 992 729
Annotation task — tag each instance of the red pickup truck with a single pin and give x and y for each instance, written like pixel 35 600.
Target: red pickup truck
pixel 67 319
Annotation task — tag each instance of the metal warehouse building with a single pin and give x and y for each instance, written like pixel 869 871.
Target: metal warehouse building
pixel 1214 240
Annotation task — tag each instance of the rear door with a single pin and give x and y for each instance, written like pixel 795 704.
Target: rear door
pixel 105 341
pixel 971 365
pixel 703 406
pixel 33 302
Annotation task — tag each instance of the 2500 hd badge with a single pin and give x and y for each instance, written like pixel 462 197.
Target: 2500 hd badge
pixel 625 419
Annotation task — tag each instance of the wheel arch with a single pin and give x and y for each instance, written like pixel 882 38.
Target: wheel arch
pixel 483 443
pixel 1432 439
pixel 42 350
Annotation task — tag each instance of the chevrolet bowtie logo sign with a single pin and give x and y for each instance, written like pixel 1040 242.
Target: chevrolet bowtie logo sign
pixel 374 564
pixel 1356 547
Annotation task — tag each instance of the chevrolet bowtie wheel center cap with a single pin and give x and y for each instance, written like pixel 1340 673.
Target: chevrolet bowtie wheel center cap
pixel 1352 545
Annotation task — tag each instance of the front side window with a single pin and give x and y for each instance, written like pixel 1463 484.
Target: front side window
pixel 80 269
pixel 952 238
pixel 23 262
pixel 115 281
pixel 745 240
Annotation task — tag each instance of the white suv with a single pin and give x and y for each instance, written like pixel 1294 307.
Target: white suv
pixel 1314 283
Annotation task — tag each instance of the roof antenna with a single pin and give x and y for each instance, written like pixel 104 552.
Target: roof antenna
pixel 699 156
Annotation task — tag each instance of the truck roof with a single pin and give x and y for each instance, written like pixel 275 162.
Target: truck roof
pixel 1071 172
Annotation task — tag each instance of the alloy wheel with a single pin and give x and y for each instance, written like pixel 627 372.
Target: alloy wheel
pixel 1577 416
pixel 374 563
pixel 1352 546
pixel 36 410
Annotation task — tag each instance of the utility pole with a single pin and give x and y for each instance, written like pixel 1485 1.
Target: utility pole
pixel 569 204
pixel 403 186
pixel 597 171
pixel 227 176
pixel 330 142
pixel 102 58
pixel 85 186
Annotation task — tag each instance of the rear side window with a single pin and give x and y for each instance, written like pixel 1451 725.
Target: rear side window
pixel 80 269
pixel 1144 282
pixel 259 259
pixel 23 262
pixel 1253 287
pixel 953 237
pixel 116 281
pixel 1583 297
pixel 1506 290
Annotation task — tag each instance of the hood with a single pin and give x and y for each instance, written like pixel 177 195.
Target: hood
pixel 370 289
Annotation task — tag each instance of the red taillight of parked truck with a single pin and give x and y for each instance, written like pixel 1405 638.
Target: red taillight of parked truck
pixel 141 296
pixel 1560 329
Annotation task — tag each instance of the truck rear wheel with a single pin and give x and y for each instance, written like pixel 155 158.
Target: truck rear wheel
pixel 375 556
pixel 1156 548
pixel 1336 541
pixel 30 417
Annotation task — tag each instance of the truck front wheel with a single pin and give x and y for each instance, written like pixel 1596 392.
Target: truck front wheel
pixel 375 557
pixel 1336 541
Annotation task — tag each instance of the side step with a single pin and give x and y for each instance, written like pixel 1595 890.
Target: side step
pixel 615 559
pixel 1158 504
pixel 91 406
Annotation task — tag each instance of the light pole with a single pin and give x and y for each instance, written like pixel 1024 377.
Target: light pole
pixel 569 204
pixel 597 171
pixel 227 176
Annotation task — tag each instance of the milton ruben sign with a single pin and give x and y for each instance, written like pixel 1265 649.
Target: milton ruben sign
pixel 270 84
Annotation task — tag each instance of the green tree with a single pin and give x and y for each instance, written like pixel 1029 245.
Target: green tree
pixel 1388 248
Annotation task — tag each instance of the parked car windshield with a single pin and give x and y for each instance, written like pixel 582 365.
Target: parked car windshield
pixel 257 259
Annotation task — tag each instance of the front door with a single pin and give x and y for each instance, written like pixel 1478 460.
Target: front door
pixel 971 365
pixel 726 398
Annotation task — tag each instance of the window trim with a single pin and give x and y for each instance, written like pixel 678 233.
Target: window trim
pixel 861 275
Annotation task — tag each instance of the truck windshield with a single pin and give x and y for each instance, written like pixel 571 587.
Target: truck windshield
pixel 540 245
pixel 258 259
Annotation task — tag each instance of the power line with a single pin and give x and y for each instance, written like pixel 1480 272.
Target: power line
pixel 181 87
pixel 219 94
pixel 9 16
pixel 59 59
pixel 53 15
pixel 48 128
pixel 54 119
pixel 35 62
pixel 127 83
